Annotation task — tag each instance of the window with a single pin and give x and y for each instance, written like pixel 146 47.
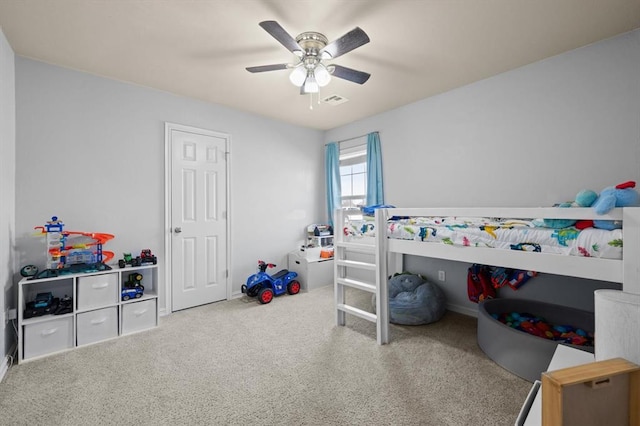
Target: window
pixel 353 173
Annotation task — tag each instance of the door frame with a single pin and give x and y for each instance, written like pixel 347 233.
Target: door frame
pixel 168 197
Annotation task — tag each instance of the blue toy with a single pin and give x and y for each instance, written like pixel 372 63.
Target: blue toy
pixel 132 293
pixel 43 300
pixel 266 286
pixel 621 195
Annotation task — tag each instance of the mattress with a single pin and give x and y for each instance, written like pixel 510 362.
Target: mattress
pixel 508 234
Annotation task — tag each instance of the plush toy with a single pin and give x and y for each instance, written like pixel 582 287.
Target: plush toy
pixel 622 195
pixel 584 198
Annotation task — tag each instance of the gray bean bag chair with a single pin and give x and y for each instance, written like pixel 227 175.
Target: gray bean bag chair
pixel 414 301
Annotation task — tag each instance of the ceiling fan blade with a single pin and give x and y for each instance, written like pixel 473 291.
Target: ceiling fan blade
pixel 355 76
pixel 351 40
pixel 280 34
pixel 263 68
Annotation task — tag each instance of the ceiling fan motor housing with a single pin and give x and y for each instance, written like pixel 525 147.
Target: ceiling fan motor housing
pixel 312 43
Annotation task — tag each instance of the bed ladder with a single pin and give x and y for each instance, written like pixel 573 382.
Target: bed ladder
pixel 378 287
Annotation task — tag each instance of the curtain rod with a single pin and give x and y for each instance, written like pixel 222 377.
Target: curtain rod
pixel 350 139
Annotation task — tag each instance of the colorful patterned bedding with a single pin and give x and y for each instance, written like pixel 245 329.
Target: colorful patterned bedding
pixel 509 234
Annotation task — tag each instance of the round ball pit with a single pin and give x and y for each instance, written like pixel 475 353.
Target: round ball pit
pixel 524 354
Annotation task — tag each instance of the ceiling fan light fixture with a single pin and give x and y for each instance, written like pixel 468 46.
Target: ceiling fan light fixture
pixel 322 75
pixel 298 76
pixel 310 84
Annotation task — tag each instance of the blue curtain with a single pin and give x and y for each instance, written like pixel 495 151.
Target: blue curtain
pixel 375 193
pixel 332 173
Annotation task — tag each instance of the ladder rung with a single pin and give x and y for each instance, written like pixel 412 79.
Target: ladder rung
pixel 357 284
pixel 357 312
pixel 361 247
pixel 356 264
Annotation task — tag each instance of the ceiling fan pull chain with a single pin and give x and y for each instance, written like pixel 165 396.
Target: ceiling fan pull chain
pixel 311 101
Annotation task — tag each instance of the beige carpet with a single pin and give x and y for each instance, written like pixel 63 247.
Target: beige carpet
pixel 285 363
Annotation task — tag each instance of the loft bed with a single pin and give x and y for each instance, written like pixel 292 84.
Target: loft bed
pixel 386 251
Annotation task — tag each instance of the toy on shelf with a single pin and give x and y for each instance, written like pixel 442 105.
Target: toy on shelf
pixel 72 251
pixel 134 280
pixel 131 293
pixel 132 287
pixel 29 271
pixel 43 304
pixel 65 306
pixel 266 286
pixel 145 257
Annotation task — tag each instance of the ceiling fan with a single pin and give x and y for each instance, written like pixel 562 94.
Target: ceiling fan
pixel 313 49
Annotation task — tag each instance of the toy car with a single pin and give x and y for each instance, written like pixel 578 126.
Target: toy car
pixel 266 286
pixel 43 300
pixel 43 304
pixel 147 257
pixel 134 280
pixel 65 306
pixel 128 259
pixel 131 293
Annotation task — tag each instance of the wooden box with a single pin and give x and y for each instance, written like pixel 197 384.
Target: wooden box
pixel 598 393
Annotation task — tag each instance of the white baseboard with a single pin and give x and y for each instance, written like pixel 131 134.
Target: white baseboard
pixel 6 363
pixel 463 310
pixel 4 367
pixel 8 360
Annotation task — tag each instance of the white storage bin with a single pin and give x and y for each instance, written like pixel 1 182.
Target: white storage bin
pixel 312 273
pixel 139 316
pixel 97 291
pixel 95 326
pixel 48 336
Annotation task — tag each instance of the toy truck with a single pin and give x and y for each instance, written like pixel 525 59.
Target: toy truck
pixel 145 257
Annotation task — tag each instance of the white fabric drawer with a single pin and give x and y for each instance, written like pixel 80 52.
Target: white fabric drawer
pixel 47 337
pixel 97 325
pixel 97 291
pixel 139 316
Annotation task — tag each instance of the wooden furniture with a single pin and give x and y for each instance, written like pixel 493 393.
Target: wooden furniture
pixel 563 357
pixel 598 393
pixel 98 312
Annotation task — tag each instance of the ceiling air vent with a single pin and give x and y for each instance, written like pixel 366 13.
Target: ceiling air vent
pixel 334 100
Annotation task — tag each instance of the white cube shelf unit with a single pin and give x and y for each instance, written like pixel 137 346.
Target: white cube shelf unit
pixel 98 312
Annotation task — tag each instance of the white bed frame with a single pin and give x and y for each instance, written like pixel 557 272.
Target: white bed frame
pixel 388 254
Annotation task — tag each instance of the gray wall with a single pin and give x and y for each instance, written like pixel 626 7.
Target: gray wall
pixel 91 151
pixel 7 195
pixel 533 136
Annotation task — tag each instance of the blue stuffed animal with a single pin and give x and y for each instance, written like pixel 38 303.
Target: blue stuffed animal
pixel 622 195
pixel 584 198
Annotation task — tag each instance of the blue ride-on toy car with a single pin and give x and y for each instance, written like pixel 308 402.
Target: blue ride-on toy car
pixel 266 286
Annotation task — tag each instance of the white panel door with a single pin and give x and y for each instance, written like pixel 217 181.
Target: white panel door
pixel 198 216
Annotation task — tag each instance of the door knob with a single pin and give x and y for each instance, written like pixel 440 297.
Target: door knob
pixel 177 230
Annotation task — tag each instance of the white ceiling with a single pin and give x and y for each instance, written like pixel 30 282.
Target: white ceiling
pixel 200 48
